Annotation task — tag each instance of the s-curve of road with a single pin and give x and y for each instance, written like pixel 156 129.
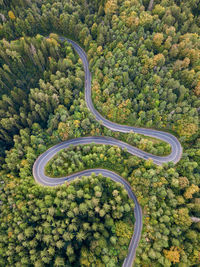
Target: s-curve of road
pixel 39 165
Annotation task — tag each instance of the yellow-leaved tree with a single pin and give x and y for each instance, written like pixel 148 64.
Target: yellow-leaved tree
pixel 63 130
pixel 11 15
pixel 190 191
pixel 111 7
pixel 185 128
pixel 173 254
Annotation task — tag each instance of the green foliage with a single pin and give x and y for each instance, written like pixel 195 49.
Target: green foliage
pixel 75 159
pixel 149 76
pixel 145 72
pixel 52 225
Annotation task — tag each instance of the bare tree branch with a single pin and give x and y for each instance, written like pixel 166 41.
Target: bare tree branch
pixel 195 219
pixel 150 7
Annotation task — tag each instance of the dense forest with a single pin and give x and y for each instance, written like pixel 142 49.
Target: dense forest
pixel 75 224
pixel 144 57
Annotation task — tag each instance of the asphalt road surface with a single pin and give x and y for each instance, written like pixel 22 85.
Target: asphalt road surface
pixel 40 163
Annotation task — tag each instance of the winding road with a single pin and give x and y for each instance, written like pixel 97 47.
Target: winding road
pixel 176 152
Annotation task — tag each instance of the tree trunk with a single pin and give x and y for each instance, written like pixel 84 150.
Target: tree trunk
pixel 150 5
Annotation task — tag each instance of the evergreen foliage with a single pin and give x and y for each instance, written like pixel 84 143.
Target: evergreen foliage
pixel 145 68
